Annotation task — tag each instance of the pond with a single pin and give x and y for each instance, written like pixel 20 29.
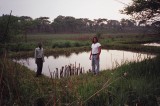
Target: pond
pixel 151 44
pixel 109 59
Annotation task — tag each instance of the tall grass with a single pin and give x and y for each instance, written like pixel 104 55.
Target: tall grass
pixel 18 86
pixel 139 86
pixel 67 44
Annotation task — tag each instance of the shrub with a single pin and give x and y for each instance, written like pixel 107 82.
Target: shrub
pixel 67 44
pixel 76 44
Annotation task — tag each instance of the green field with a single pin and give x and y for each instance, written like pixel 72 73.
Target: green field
pixel 111 87
pixel 56 41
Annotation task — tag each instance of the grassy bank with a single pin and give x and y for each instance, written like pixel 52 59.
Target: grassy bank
pixel 54 41
pixel 66 43
pixel 140 84
pixel 49 41
pixel 54 52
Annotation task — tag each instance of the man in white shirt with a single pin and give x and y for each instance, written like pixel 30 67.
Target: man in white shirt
pixel 39 59
pixel 95 54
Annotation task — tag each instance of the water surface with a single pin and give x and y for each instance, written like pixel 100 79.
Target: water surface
pixel 151 44
pixel 109 59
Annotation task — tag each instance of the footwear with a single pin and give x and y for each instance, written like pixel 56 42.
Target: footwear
pixel 96 74
pixel 36 75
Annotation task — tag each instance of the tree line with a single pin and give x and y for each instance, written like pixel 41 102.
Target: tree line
pixel 142 11
pixel 67 24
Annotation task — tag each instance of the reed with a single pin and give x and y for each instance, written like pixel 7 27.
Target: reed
pixel 67 71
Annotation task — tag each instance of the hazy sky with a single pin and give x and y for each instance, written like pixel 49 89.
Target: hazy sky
pixel 92 9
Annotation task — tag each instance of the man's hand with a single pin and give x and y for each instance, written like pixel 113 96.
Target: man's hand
pixel 97 56
pixel 90 58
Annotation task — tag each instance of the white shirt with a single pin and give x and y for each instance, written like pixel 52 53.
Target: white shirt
pixel 39 53
pixel 95 48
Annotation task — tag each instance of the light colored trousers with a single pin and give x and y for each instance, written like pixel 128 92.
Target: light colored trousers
pixel 95 64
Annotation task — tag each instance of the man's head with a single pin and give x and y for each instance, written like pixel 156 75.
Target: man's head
pixel 40 45
pixel 94 40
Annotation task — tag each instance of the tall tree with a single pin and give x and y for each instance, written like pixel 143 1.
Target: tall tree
pixel 8 27
pixel 143 9
pixel 58 24
pixel 156 25
pixel 70 23
pixel 42 24
pixel 127 23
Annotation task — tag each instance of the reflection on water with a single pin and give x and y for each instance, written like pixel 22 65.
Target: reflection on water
pixel 109 59
pixel 152 44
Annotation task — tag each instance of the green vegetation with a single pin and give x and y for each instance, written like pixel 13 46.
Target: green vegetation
pixel 49 41
pixel 140 85
pixel 54 41
pixel 131 84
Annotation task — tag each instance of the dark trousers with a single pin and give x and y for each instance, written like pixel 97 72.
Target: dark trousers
pixel 39 62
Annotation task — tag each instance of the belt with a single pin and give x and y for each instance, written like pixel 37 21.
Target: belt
pixel 95 54
pixel 39 58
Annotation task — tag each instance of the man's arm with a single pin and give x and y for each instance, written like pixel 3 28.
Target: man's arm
pixel 35 55
pixel 90 55
pixel 99 52
pixel 43 55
